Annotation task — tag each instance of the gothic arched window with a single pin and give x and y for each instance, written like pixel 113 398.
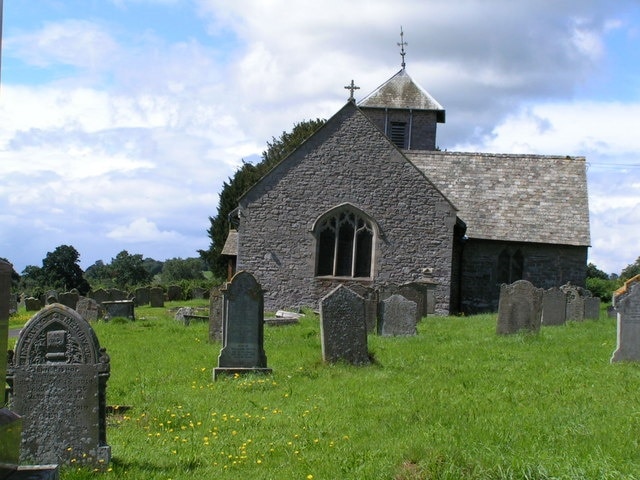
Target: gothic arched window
pixel 344 244
pixel 510 266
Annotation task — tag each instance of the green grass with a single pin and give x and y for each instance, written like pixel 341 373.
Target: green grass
pixel 455 402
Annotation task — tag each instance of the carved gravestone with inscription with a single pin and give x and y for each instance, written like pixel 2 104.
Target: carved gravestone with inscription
pixel 242 327
pixel 57 378
pixel 626 301
pixel 343 330
pixel 519 308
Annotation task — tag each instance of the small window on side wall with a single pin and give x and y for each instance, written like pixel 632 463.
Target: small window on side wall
pixel 344 243
pixel 398 134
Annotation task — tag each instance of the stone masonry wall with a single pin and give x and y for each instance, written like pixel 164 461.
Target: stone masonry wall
pixel 347 161
pixel 545 266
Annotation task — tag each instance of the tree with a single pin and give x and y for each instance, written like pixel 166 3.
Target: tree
pixel 631 270
pixel 177 269
pixel 128 270
pixel 60 270
pixel 595 272
pixel 242 180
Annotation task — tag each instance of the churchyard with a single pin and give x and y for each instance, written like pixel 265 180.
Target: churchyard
pixel 455 401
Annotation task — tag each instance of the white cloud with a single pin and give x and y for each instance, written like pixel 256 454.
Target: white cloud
pixel 142 230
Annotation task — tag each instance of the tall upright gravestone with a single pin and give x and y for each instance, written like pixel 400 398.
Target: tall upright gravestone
pixel 519 308
pixel 242 327
pixel 626 301
pixel 343 330
pixel 57 380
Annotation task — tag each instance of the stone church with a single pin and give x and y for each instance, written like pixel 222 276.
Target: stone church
pixel 369 200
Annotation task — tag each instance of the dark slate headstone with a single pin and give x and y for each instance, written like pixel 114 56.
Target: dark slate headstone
pixel 575 303
pixel 243 327
pixel 519 308
pixel 343 330
pixel 397 316
pixel 215 315
pixel 141 296
pixel 156 297
pixel 174 292
pixel 57 380
pixel 89 309
pixel 119 308
pixel 626 301
pixel 100 295
pixel 592 308
pixel 69 299
pixel 554 307
pixel 116 294
pixel 32 304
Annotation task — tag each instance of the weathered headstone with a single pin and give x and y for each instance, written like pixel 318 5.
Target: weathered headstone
pixel 89 309
pixel 141 296
pixel 397 316
pixel 198 293
pixel 575 302
pixel 183 312
pixel 116 294
pixel 591 308
pixel 243 327
pixel 626 301
pixel 50 297
pixel 57 380
pixel 174 292
pixel 10 422
pixel 156 297
pixel 343 330
pixel 13 303
pixel 32 304
pixel 519 308
pixel 554 307
pixel 119 308
pixel 69 299
pixel 100 295
pixel 370 296
pixel 215 315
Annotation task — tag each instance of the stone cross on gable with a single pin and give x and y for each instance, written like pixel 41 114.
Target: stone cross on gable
pixel 352 87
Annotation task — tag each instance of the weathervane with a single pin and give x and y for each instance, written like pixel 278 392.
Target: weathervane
pixel 351 89
pixel 402 44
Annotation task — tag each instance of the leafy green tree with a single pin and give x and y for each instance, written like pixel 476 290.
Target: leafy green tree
pixel 177 269
pixel 242 180
pixel 152 266
pixel 128 270
pixel 595 272
pixel 60 270
pixel 631 270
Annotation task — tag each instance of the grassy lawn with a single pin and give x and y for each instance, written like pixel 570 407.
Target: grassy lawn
pixel 455 402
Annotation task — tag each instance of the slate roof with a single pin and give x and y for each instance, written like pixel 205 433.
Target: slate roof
pixel 230 247
pixel 521 198
pixel 401 92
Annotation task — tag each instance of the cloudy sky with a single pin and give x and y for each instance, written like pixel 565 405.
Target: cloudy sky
pixel 121 119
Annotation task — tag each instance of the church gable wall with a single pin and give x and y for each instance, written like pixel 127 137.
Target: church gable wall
pixel 347 161
pixel 544 265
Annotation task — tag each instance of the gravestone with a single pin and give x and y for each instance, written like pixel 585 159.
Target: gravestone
pixel 156 297
pixel 592 308
pixel 116 294
pixel 100 295
pixel 626 301
pixel 32 304
pixel 69 299
pixel 370 296
pixel 343 330
pixel 397 316
pixel 198 293
pixel 141 296
pixel 519 308
pixel 243 327
pixel 50 297
pixel 57 378
pixel 89 309
pixel 10 422
pixel 554 307
pixel 215 315
pixel 410 291
pixel 575 302
pixel 119 308
pixel 174 292
pixel 13 303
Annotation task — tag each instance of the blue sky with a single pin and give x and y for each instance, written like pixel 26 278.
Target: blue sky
pixel 121 119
